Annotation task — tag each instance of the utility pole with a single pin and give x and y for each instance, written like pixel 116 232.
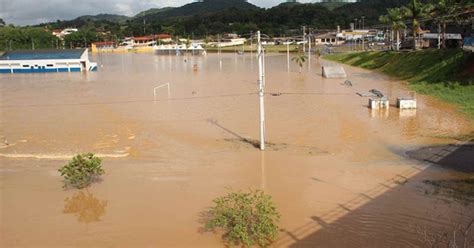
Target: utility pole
pixel 309 50
pixel 261 84
pixel 439 35
pixel 251 43
pixel 288 54
pixel 304 39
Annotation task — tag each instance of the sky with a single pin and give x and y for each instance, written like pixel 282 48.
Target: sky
pixel 28 12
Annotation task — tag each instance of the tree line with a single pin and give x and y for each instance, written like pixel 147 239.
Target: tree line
pixel 439 12
pixel 283 20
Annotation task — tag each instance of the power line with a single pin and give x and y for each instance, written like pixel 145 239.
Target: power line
pixel 171 99
pixel 125 102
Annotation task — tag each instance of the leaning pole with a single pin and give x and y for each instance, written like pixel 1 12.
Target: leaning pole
pixel 261 86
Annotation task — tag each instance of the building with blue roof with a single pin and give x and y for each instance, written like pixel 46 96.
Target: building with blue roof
pixel 48 60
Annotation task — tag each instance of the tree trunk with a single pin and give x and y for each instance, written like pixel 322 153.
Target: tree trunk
pixel 414 37
pixel 391 40
pixel 398 41
pixel 444 35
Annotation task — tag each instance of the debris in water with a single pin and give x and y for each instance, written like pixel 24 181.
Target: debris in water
pixel 377 92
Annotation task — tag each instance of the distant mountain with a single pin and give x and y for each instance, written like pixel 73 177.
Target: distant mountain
pixel 204 7
pixel 153 11
pixel 103 17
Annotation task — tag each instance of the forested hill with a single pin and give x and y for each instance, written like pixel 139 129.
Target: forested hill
pixel 104 17
pixel 198 8
pixel 152 11
pixel 220 16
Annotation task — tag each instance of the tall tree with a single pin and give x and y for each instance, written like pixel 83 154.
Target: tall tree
pixel 417 10
pixel 300 60
pixel 395 19
pixel 445 11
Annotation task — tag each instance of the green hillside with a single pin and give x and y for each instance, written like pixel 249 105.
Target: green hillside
pixel 152 11
pixel 103 17
pixel 205 7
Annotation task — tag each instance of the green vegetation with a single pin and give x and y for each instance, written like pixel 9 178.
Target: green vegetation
pixel 12 38
pixel 223 16
pixel 247 219
pixel 80 38
pixel 152 11
pixel 394 19
pixel 442 12
pixel 82 170
pixel 417 10
pixel 445 74
pixel 104 17
pixel 201 20
pixel 300 60
pixel 460 190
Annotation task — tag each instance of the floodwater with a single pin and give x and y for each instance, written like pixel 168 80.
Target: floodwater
pixel 337 171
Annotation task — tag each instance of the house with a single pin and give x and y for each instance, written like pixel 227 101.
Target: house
pixel 326 38
pixel 47 60
pixel 146 41
pixel 452 39
pixel 61 33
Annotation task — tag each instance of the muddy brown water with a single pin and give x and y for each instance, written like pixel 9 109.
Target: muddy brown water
pixel 337 171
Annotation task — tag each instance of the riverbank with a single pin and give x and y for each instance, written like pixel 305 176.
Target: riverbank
pixel 444 74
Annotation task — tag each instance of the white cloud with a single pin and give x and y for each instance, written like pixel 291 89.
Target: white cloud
pixel 24 12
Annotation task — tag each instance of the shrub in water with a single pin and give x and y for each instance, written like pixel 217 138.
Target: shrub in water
pixel 81 170
pixel 246 218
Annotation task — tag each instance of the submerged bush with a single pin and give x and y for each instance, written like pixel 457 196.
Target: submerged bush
pixel 81 170
pixel 246 218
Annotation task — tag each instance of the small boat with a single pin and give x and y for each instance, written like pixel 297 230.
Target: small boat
pixel 48 60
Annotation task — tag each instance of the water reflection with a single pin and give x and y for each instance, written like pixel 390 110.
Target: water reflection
pixel 379 113
pixel 85 206
pixel 407 112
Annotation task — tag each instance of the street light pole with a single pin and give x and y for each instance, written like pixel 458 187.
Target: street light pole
pixel 304 35
pixel 309 50
pixel 261 84
pixel 288 54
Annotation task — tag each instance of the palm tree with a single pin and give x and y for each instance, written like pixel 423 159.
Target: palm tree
pixel 300 60
pixel 394 18
pixel 416 11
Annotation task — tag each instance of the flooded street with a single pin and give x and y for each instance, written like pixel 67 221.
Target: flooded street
pixel 338 171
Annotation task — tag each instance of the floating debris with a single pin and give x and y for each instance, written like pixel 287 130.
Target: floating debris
pixel 377 92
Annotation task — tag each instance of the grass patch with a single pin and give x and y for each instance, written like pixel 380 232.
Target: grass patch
pixel 460 190
pixel 445 74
